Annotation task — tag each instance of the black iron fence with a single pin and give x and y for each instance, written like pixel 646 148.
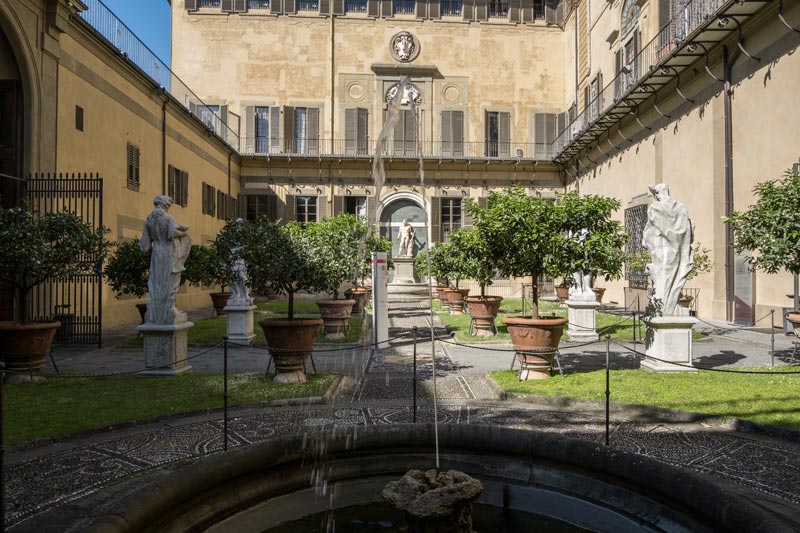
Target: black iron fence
pixel 76 301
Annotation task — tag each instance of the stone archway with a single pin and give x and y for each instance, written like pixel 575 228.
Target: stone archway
pixel 402 207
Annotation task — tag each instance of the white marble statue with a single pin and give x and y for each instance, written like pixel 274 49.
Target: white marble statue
pixel 406 240
pixel 240 293
pixel 170 244
pixel 668 236
pixel 581 288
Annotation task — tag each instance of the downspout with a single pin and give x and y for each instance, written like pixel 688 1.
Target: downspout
pixel 333 81
pixel 577 69
pixel 729 255
pixel 164 143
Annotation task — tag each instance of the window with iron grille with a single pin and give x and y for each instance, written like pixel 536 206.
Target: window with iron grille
pixel 452 8
pixel 451 216
pixel 207 3
pixel 178 186
pixel 305 208
pixel 257 4
pixel 355 6
pixel 308 5
pixel 133 167
pixel 498 9
pixel 208 199
pixel 403 7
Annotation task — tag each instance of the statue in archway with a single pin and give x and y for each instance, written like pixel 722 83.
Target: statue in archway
pixel 406 240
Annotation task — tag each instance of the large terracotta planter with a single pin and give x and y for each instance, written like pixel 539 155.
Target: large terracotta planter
pixel 536 341
pixel 23 347
pixel 142 308
pixel 563 294
pixel 455 300
pixel 360 296
pixel 290 343
pixel 483 310
pixel 220 300
pixel 598 293
pixel 335 317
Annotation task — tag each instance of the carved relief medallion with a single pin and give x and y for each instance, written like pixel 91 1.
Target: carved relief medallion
pixel 404 47
pixel 410 93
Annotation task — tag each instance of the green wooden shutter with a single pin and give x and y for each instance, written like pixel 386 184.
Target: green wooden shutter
pixel 468 9
pixel 289 6
pixel 191 5
pixel 399 136
pixel 338 204
pixel 171 182
pixel 386 8
pixel 250 129
pixel 436 219
pixel 561 123
pixel 324 7
pixel 312 121
pixel 226 6
pixel 362 130
pixel 526 8
pixel 371 210
pixel 466 216
pixel 276 7
pixel 481 10
pixel 275 128
pixel 447 133
pixel 434 9
pixel 338 7
pixel 184 188
pixel 457 133
pixel 504 134
pixel 421 9
pixel 350 133
pixel 240 6
pixel 288 129
pixel 373 8
pixel 515 10
pixel 538 127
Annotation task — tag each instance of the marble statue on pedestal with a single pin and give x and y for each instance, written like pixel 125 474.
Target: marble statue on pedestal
pixel 581 288
pixel 406 240
pixel 668 236
pixel 169 243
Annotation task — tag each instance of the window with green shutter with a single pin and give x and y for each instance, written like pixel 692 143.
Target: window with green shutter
pixel 133 167
pixel 356 122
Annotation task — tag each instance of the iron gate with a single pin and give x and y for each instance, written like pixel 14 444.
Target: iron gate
pixel 75 301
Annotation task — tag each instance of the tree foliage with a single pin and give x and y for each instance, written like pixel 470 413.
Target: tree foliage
pixel 38 246
pixel 471 258
pixel 128 269
pixel 768 233
pixel 341 242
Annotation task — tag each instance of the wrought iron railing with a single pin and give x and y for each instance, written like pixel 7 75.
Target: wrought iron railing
pixel 257 4
pixel 308 5
pixel 498 9
pixel 355 6
pixel 649 58
pixel 118 35
pixel 452 8
pixel 403 7
pixel 400 149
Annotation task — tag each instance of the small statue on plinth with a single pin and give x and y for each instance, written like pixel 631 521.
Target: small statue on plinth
pixel 581 288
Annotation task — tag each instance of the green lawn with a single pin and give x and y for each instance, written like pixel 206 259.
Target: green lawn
pixel 62 405
pixel 769 398
pixel 619 327
pixel 210 331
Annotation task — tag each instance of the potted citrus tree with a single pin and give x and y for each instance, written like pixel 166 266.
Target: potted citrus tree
pixel 599 251
pixel 523 234
pixel 127 272
pixel 373 243
pixel 473 260
pixel 37 247
pixel 285 258
pixel 207 266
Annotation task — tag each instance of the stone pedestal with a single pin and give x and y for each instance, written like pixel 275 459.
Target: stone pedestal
pixel 669 338
pixel 240 323
pixel 582 324
pixel 165 347
pixel 403 271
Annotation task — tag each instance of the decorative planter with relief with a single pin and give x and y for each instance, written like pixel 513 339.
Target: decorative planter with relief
pixel 598 293
pixel 335 317
pixel 290 343
pixel 360 296
pixel 483 310
pixel 455 300
pixel 220 300
pixel 536 341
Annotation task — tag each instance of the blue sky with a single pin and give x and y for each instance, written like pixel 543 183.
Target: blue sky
pixel 149 20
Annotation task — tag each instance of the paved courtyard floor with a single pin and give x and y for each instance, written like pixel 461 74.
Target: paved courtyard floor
pixel 377 388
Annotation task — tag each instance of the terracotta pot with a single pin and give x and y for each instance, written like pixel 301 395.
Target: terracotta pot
pixel 794 318
pixel 271 294
pixel 360 296
pixel 24 347
pixel 290 343
pixel 142 308
pixel 536 341
pixel 220 300
pixel 335 317
pixel 483 310
pixel 456 300
pixel 562 293
pixel 598 293
pixel 685 301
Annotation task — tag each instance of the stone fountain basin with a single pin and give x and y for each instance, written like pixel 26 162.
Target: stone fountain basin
pixel 260 486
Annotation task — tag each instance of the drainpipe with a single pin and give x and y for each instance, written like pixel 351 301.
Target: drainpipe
pixel 164 143
pixel 333 80
pixel 729 256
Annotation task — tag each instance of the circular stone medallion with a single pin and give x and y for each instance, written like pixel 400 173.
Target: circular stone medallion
pixel 404 47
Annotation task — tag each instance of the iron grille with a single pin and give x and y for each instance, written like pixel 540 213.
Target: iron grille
pixel 635 220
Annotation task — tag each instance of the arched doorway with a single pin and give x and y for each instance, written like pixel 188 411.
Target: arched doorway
pixel 10 123
pixel 392 217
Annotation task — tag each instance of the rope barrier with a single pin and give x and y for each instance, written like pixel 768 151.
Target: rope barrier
pixel 724 370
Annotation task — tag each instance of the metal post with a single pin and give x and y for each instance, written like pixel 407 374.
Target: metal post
pixel 414 406
pixel 225 391
pixel 633 315
pixel 2 450
pixel 608 390
pixel 772 339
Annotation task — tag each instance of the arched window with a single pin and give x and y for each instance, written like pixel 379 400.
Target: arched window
pixel 630 17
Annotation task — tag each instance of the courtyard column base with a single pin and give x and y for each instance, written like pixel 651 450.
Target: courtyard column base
pixel 240 324
pixel 582 320
pixel 166 347
pixel 669 338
